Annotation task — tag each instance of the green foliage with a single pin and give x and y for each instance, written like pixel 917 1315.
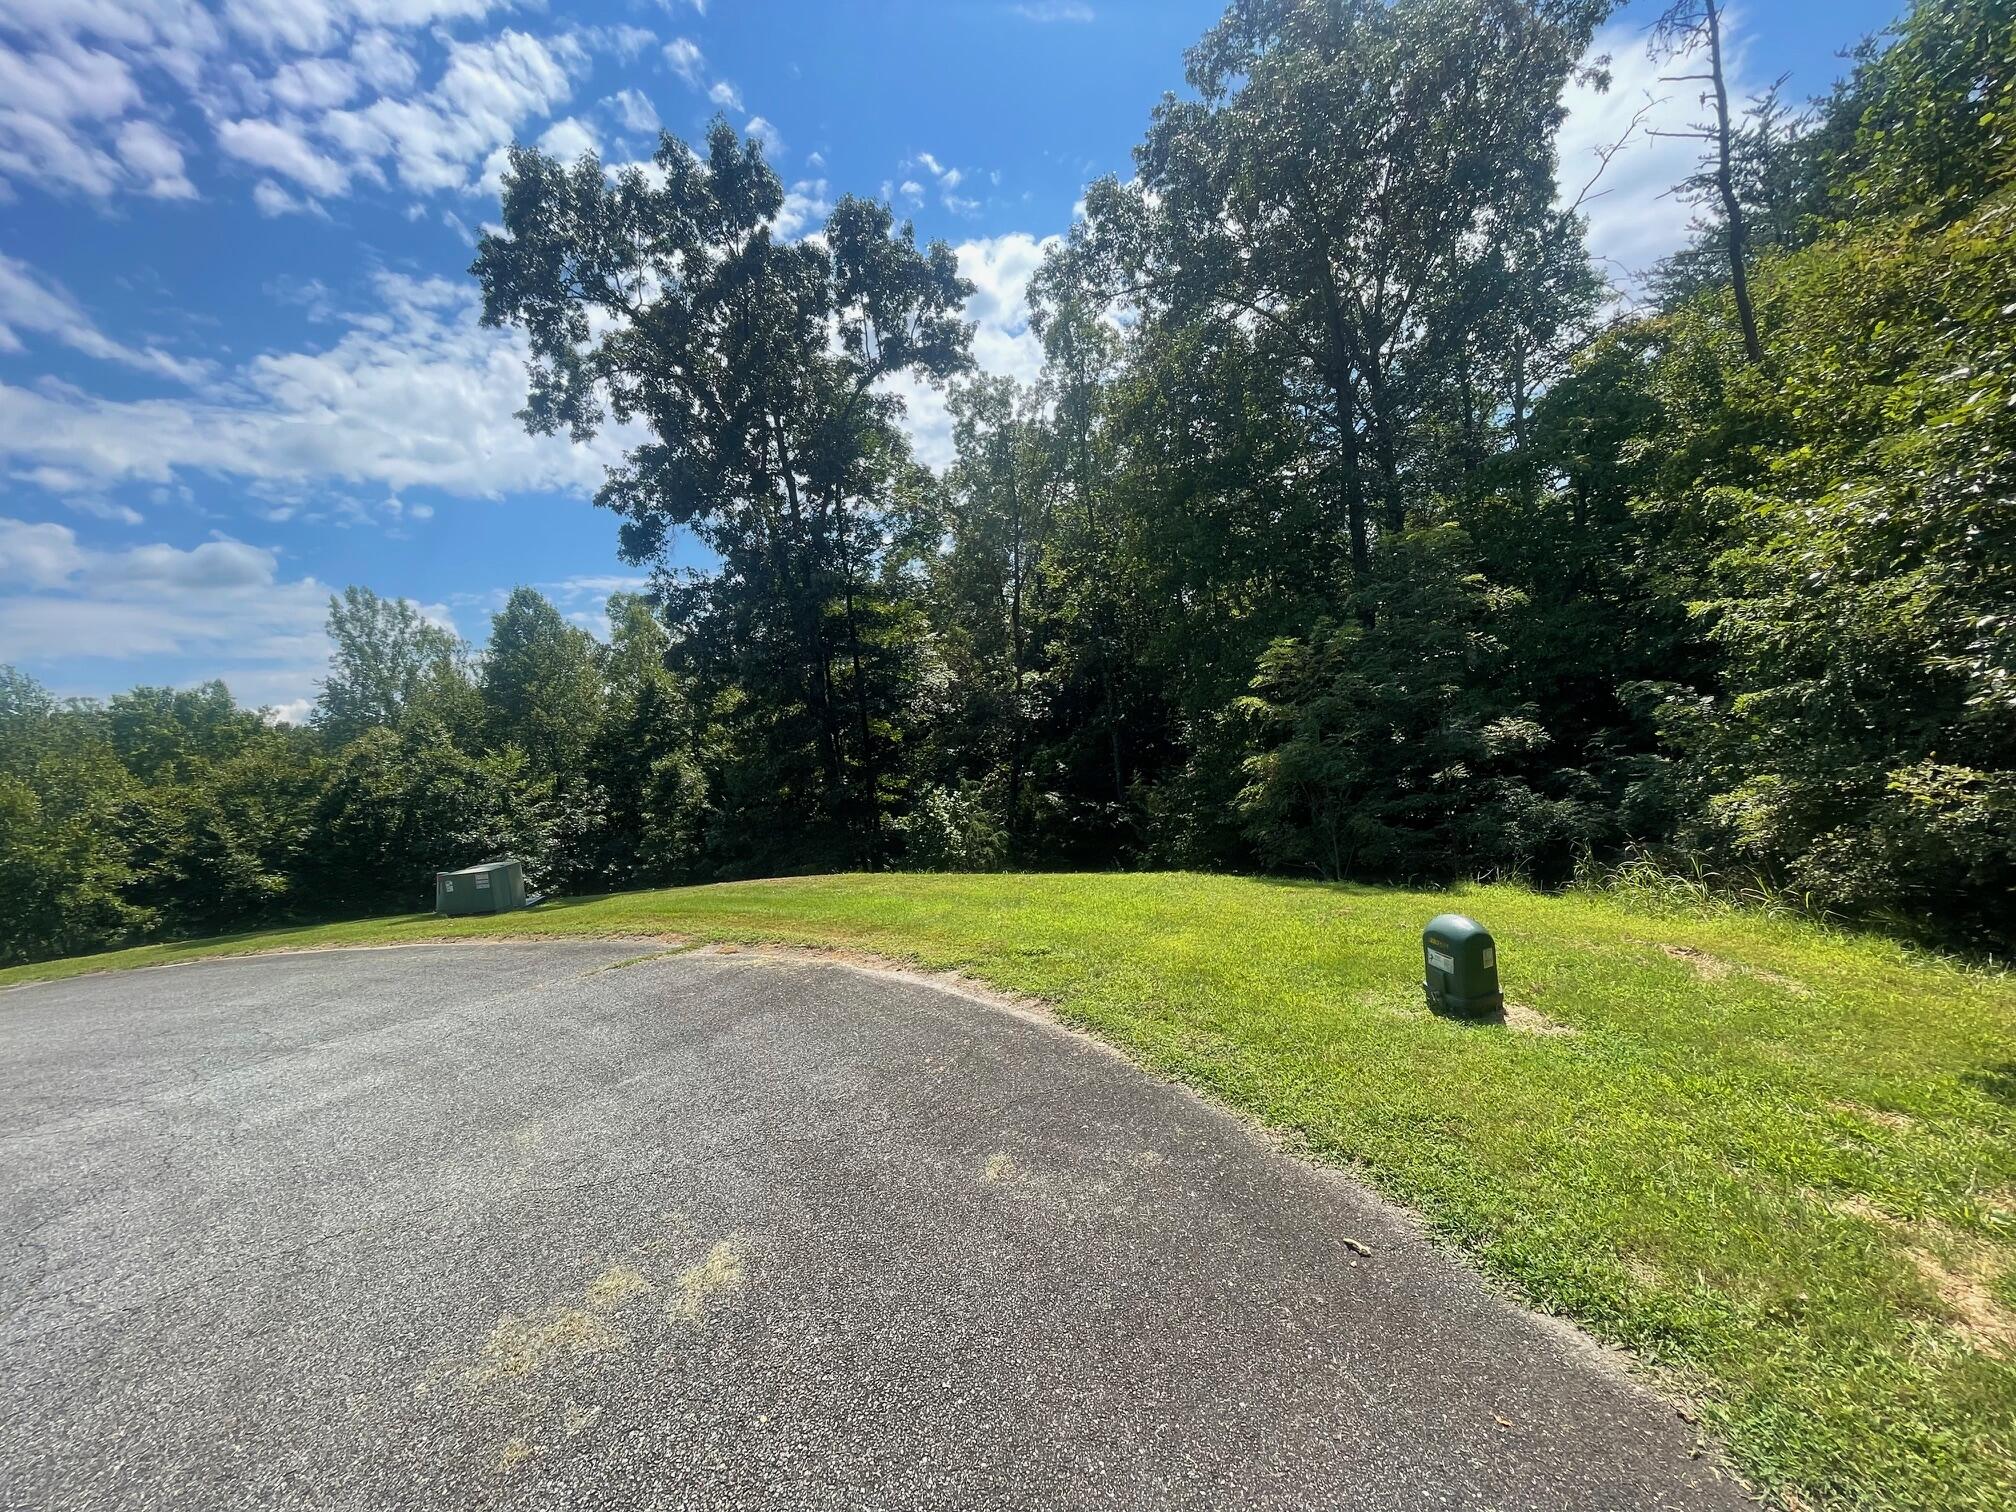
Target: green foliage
pixel 157 732
pixel 402 804
pixel 385 655
pixel 1927 124
pixel 541 688
pixel 951 830
pixel 761 369
pixel 1863 596
pixel 1381 750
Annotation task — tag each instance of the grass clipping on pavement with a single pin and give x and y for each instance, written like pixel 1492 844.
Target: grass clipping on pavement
pixel 1777 1164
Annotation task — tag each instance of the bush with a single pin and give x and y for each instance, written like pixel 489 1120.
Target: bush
pixel 952 829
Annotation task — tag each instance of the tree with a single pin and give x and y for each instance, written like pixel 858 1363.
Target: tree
pixel 1863 595
pixel 384 655
pixel 760 368
pixel 1926 126
pixel 64 861
pixel 167 731
pixel 1683 29
pixel 541 689
pixel 1349 174
pixel 1377 749
pixel 400 804
pixel 644 762
pixel 987 586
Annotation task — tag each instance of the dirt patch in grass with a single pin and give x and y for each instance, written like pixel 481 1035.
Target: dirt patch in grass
pixel 1964 1278
pixel 1527 1020
pixel 1898 1123
pixel 1710 968
pixel 1713 968
pixel 1961 1271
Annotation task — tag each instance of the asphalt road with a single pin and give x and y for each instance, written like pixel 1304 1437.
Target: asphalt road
pixel 488 1226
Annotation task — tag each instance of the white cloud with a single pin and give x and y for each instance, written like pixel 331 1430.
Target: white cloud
pixel 67 83
pixel 764 132
pixel 82 83
pixel 271 200
pixel 315 84
pixel 283 147
pixel 46 152
pixel 635 111
pixel 1044 11
pixel 98 507
pixel 947 179
pixel 488 90
pixel 415 393
pixel 64 604
pixel 999 268
pixel 155 160
pixel 383 63
pixel 38 556
pixel 625 42
pixel 804 203
pixel 568 139
pixel 1634 219
pixel 683 56
pixel 30 302
pixel 317 26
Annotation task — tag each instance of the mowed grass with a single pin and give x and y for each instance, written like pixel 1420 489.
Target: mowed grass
pixel 1777 1164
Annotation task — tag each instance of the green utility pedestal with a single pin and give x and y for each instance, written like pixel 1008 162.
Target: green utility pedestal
pixel 1460 967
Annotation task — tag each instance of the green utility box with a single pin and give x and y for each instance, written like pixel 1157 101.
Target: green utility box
pixel 1461 967
pixel 493 887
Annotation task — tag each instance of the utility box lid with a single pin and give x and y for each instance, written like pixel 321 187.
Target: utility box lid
pixel 486 869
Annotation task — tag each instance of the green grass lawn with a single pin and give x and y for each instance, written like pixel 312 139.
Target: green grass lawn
pixel 1777 1164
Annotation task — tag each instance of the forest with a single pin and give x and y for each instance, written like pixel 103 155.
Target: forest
pixel 1357 528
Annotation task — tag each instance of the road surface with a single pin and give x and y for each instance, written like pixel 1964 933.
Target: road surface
pixel 520 1226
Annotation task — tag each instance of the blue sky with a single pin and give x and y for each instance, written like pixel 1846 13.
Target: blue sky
pixel 239 361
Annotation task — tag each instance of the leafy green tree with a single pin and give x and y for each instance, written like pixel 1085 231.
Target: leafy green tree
pixel 400 804
pixel 1350 177
pixel 759 367
pixel 1691 31
pixel 385 655
pixel 1926 124
pixel 643 764
pixel 164 731
pixel 1379 750
pixel 1865 597
pixel 64 863
pixel 988 588
pixel 541 688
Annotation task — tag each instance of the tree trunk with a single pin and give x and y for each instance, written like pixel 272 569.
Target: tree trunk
pixel 1016 741
pixel 1725 184
pixel 870 778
